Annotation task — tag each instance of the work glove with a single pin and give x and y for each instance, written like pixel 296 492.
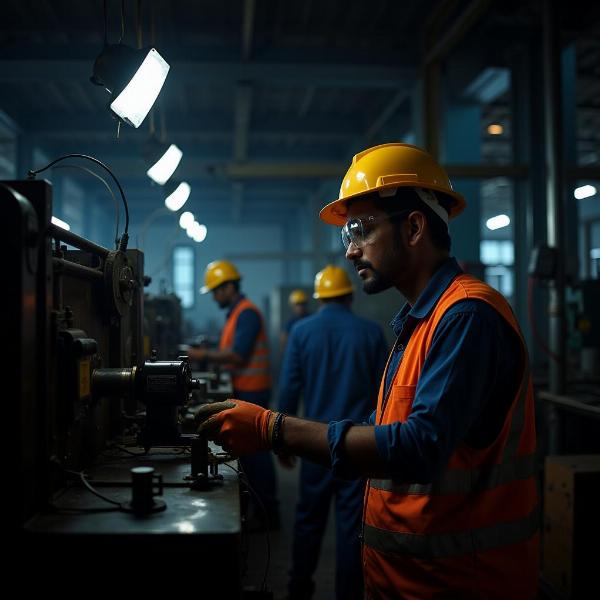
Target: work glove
pixel 238 427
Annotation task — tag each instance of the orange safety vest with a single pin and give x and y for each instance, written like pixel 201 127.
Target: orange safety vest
pixel 255 376
pixel 473 531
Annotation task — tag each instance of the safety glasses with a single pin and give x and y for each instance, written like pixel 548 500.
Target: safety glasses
pixel 356 231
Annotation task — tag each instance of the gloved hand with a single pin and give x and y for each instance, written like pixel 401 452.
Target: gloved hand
pixel 238 427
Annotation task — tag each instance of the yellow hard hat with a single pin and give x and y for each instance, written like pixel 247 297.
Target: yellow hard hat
pixel 387 167
pixel 218 272
pixel 298 297
pixel 332 281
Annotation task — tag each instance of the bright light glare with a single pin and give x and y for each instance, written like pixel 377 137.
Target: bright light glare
pixel 197 231
pixel 498 222
pixel 186 219
pixel 179 197
pixel 61 223
pixel 136 100
pixel 495 129
pixel 165 166
pixel 585 191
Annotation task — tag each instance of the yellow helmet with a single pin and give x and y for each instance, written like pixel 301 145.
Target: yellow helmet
pixel 218 272
pixel 387 167
pixel 332 281
pixel 298 297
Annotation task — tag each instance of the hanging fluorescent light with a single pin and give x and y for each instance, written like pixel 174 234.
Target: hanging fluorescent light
pixel 161 171
pixel 197 231
pixel 186 219
pixel 498 222
pixel 585 191
pixel 178 197
pixel 59 223
pixel 134 79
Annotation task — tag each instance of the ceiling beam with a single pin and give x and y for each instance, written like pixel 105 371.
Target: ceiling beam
pixel 224 73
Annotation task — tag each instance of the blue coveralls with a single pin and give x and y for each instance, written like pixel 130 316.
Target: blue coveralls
pixel 335 359
pixel 258 467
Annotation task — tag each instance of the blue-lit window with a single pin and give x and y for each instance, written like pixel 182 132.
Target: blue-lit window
pixel 183 275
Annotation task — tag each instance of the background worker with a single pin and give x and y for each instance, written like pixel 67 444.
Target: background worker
pixel 335 359
pixel 243 351
pixel 451 509
pixel 298 300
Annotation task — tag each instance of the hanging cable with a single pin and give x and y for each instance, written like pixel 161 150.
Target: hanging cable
pixel 122 21
pixel 116 202
pixel 125 237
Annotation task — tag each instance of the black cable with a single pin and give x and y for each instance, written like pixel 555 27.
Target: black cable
pixel 122 20
pixel 125 237
pixel 244 477
pixel 107 187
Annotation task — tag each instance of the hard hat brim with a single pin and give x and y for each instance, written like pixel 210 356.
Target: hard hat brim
pixel 335 213
pixel 333 294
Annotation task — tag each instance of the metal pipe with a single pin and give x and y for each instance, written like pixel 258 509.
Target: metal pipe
pixel 556 211
pixel 75 240
pixel 75 269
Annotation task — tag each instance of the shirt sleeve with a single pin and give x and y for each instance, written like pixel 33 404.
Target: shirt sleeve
pixel 246 331
pixel 291 380
pixel 457 378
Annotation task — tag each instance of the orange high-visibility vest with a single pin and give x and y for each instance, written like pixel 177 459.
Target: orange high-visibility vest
pixel 255 376
pixel 472 532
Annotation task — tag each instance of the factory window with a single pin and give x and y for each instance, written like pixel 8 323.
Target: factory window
pixel 183 275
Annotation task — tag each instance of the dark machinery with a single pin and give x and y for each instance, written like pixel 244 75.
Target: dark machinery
pixel 91 413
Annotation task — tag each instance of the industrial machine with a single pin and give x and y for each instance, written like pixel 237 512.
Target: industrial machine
pixel 106 458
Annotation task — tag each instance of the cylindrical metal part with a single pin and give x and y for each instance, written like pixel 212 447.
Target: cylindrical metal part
pixel 75 240
pixel 113 382
pixel 75 269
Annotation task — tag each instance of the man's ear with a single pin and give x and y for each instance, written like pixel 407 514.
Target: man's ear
pixel 417 224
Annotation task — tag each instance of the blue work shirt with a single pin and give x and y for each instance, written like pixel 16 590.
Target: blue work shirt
pixel 467 384
pixel 291 322
pixel 246 332
pixel 335 359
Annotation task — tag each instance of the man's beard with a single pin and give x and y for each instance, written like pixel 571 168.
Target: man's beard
pixel 375 284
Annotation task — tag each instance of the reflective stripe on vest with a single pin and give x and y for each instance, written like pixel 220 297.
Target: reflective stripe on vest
pixel 452 544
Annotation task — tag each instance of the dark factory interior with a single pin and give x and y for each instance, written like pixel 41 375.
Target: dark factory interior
pixel 215 393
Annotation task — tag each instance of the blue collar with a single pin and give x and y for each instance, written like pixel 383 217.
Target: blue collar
pixel 429 297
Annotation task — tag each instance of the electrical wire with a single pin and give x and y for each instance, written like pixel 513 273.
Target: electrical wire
pixel 125 237
pixel 534 330
pixel 244 478
pixel 122 21
pixel 107 187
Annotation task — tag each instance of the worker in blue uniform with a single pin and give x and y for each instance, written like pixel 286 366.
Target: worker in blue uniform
pixel 298 301
pixel 334 359
pixel 244 352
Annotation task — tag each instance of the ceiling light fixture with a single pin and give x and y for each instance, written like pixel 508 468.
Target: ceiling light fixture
pixel 495 129
pixel 498 222
pixel 177 195
pixel 164 160
pixel 60 223
pixel 186 219
pixel 585 191
pixel 133 78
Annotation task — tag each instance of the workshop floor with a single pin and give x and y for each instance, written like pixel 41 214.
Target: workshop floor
pixel 281 544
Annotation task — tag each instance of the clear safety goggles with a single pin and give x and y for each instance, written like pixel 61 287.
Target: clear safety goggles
pixel 356 231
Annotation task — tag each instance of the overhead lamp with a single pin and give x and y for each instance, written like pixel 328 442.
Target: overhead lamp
pixel 495 129
pixel 197 231
pixel 585 191
pixel 177 195
pixel 60 223
pixel 498 222
pixel 162 160
pixel 133 78
pixel 186 219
